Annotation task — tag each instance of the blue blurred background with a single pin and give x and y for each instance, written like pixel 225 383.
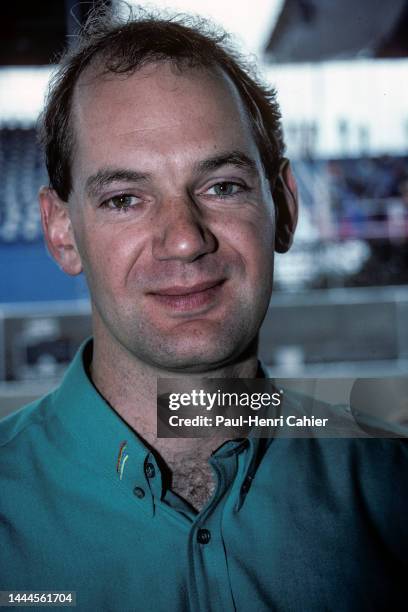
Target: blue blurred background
pixel 340 305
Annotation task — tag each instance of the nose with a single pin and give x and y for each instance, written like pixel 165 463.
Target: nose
pixel 181 232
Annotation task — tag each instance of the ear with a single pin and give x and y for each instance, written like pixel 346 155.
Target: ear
pixel 285 197
pixel 58 232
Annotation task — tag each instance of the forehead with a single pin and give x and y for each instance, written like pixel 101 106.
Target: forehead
pixel 160 108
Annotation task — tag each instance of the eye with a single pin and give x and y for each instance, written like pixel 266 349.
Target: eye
pixel 225 189
pixel 123 202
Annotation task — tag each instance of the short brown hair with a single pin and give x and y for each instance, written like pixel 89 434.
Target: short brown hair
pixel 125 45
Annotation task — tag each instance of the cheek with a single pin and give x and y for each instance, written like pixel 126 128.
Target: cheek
pixel 252 241
pixel 108 255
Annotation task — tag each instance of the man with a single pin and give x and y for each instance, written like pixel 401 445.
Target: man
pixel 169 190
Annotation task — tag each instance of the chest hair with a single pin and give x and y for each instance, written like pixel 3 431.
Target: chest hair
pixel 193 480
pixel 192 477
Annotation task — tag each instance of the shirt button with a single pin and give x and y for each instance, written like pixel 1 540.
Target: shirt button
pixel 150 471
pixel 203 536
pixel 138 491
pixel 246 485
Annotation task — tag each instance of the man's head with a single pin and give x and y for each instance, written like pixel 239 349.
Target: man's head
pixel 163 155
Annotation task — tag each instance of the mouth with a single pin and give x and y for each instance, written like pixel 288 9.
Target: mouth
pixel 183 298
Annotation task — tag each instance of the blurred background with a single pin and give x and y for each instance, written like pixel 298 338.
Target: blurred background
pixel 340 304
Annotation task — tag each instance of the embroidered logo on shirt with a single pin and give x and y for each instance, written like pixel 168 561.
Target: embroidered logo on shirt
pixel 122 458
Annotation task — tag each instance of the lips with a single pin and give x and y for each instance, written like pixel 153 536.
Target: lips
pixel 184 298
pixel 176 290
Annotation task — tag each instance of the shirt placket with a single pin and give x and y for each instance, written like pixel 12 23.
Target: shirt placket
pixel 209 581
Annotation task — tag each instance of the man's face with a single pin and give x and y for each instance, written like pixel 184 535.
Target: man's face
pixel 172 215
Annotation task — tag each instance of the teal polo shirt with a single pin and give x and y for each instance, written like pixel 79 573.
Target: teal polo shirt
pixel 293 525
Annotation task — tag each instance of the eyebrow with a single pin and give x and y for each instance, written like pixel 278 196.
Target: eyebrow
pixel 231 158
pixel 106 176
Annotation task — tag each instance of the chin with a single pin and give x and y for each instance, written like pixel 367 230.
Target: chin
pixel 193 345
pixel 199 355
pixel 195 364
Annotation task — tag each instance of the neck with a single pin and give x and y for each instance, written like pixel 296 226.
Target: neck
pixel 129 385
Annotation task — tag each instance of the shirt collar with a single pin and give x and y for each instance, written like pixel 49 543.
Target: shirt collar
pixel 108 443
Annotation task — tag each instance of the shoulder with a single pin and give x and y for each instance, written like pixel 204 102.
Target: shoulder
pixel 23 424
pixel 35 420
pixel 343 449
